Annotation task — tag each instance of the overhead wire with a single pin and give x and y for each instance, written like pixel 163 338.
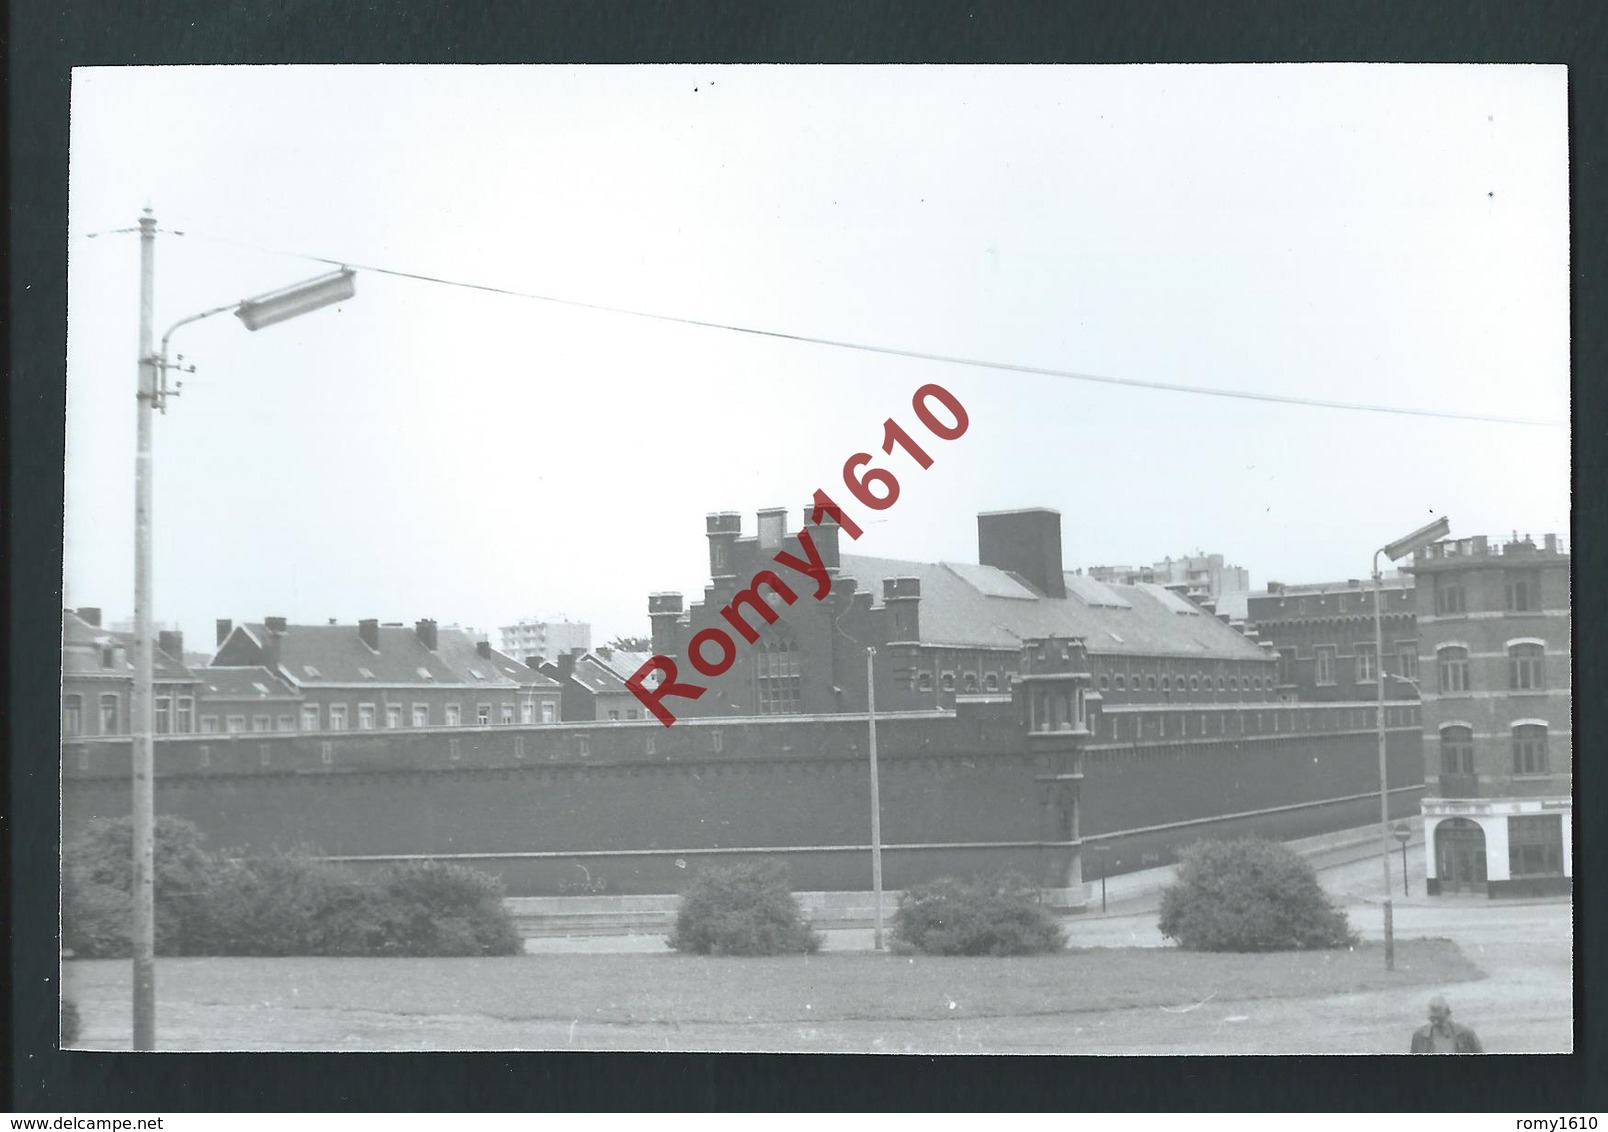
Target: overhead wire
pixel 892 351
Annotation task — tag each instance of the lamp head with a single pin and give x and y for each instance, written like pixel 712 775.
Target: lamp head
pixel 297 299
pixel 1423 536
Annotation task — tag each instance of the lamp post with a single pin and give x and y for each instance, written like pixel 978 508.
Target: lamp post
pixel 153 392
pixel 1104 851
pixel 876 801
pixel 1403 546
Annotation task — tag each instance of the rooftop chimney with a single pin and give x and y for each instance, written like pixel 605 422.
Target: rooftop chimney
pixel 171 641
pixel 1026 543
pixel 902 597
pixel 91 614
pixel 427 633
pixel 369 630
pixel 772 527
pixel 275 627
pixel 824 536
pixel 483 648
pixel 225 627
pixel 566 665
pixel 664 610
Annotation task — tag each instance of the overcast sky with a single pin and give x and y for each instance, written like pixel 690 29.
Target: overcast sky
pixel 1386 235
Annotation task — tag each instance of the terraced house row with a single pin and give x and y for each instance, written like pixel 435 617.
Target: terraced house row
pixel 274 676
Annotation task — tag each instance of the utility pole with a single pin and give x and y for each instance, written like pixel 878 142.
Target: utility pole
pixel 1384 787
pixel 140 703
pixel 876 801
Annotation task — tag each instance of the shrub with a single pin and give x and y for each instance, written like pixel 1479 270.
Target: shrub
pixel 429 908
pixel 744 910
pixel 98 878
pixel 1000 916
pixel 71 1025
pixel 288 904
pixel 1250 895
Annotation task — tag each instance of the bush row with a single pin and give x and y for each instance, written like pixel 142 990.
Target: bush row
pixel 285 904
pixel 751 910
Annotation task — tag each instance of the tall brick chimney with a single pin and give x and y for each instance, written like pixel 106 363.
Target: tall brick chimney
pixel 90 615
pixel 1026 543
pixel 369 630
pixel 483 648
pixel 902 596
pixel 225 627
pixel 825 537
pixel 772 528
pixel 275 628
pixel 171 641
pixel 723 529
pixel 664 610
pixel 426 629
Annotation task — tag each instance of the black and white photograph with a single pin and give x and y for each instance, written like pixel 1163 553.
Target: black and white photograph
pixel 940 560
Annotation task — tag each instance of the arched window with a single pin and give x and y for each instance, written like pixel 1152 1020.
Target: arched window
pixel 991 682
pixel 1121 683
pixel 1150 683
pixel 1452 661
pixel 1527 667
pixel 971 682
pixel 1194 683
pixel 1105 682
pixel 1233 683
pixel 1457 749
pixel 1164 685
pixel 1219 683
pixel 949 681
pixel 1529 748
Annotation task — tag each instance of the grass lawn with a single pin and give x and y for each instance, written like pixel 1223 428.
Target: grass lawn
pixel 245 1003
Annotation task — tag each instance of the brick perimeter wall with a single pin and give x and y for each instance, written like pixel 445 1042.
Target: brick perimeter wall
pixel 800 783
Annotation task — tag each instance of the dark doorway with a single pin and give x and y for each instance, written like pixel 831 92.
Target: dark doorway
pixel 1460 855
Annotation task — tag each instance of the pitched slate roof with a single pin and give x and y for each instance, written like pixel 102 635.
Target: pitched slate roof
pixel 522 674
pixel 984 607
pixel 81 653
pixel 322 655
pixel 598 678
pixel 248 682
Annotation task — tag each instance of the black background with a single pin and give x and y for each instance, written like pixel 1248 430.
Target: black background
pixel 48 39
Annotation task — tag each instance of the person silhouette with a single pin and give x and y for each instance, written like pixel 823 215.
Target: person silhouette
pixel 1442 1035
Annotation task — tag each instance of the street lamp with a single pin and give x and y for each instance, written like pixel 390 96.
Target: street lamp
pixel 1403 546
pixel 876 801
pixel 265 310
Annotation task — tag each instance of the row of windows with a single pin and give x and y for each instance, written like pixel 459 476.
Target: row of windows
pixel 1527 671
pixel 1184 724
pixel 1529 749
pixel 168 717
pixel 1366 655
pixel 1521 592
pixel 176 717
pixel 969 682
pixel 369 718
pixel 1196 684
